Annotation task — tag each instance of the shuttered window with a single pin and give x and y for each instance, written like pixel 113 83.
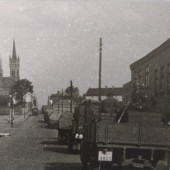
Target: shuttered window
pixel 147 76
pixel 156 82
pixel 168 78
pixel 162 79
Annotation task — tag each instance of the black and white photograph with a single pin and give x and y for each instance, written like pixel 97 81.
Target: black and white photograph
pixel 84 84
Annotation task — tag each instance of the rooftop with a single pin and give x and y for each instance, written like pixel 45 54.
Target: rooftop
pixel 163 46
pixel 105 91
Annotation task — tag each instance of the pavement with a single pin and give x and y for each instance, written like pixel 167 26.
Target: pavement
pixel 33 146
pixel 5 123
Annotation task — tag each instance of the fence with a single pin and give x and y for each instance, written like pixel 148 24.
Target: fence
pixel 18 110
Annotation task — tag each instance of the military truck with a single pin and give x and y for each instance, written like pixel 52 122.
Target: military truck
pixel 35 111
pixel 80 118
pixel 141 140
pixel 65 120
pixel 107 143
pixel 60 116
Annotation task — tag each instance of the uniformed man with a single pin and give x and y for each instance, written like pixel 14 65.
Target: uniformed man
pixel 110 105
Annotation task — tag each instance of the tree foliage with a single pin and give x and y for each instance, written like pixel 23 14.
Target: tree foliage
pixel 75 91
pixel 20 88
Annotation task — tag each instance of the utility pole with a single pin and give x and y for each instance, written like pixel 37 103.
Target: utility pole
pixel 24 100
pixel 58 104
pixel 71 95
pixel 100 67
pixel 11 109
pixel 62 102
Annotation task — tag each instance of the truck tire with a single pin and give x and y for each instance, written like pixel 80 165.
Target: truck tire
pixel 59 136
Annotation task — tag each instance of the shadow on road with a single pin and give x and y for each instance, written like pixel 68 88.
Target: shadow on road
pixel 56 149
pixel 49 142
pixel 62 166
pixel 41 121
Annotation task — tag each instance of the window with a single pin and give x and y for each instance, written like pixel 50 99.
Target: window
pixel 135 76
pixel 162 80
pixel 140 76
pixel 168 77
pixel 147 76
pixel 156 82
pixel 13 73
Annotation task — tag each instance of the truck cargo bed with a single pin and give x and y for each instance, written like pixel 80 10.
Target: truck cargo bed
pixel 132 134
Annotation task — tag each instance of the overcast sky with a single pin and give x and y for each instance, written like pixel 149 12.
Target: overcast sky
pixel 58 40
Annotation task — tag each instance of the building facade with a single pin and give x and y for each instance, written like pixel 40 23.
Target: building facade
pixel 153 72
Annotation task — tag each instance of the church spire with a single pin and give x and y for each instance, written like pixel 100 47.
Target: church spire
pixel 14 54
pixel 14 64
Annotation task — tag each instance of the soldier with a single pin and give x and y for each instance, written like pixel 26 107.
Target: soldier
pixel 110 105
pixel 51 103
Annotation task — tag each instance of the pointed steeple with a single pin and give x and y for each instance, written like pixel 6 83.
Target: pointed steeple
pixel 14 64
pixel 14 54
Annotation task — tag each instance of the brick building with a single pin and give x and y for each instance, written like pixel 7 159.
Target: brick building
pixel 153 71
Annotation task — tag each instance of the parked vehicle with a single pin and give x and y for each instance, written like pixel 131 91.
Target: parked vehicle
pixel 79 120
pixel 106 142
pixel 43 109
pixel 60 116
pixel 65 109
pixel 51 117
pixel 138 135
pixel 35 111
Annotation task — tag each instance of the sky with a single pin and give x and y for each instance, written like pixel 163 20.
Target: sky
pixel 58 40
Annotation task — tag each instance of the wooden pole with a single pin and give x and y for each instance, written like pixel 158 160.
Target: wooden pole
pixel 100 68
pixel 62 102
pixel 71 96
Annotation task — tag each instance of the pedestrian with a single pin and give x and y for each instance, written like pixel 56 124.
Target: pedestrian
pixel 51 103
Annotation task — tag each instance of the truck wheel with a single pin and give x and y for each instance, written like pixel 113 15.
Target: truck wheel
pixel 161 165
pixel 48 125
pixel 59 136
pixel 168 160
pixel 84 166
pixel 93 165
pixel 70 147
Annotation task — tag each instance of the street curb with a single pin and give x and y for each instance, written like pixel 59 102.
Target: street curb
pixel 7 129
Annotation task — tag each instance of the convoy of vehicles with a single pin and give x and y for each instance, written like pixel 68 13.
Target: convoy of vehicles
pixel 134 136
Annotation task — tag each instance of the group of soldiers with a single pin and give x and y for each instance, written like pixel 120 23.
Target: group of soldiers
pixel 141 99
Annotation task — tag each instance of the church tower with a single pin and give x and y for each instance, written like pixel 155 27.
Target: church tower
pixel 14 64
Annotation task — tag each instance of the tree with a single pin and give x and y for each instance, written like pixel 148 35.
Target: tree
pixel 75 91
pixel 20 89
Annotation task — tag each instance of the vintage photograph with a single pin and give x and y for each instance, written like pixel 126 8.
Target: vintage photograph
pixel 84 84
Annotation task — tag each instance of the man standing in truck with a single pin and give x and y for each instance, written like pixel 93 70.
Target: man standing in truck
pixel 110 105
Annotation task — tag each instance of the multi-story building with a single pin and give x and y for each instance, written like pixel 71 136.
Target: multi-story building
pixel 153 72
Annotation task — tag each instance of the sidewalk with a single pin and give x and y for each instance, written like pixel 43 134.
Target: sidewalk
pixel 5 124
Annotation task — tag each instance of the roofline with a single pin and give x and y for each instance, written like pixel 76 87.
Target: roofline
pixel 160 48
pixel 110 88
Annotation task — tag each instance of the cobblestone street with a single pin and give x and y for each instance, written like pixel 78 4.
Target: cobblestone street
pixel 32 146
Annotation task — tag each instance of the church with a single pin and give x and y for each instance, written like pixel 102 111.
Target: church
pixel 14 65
